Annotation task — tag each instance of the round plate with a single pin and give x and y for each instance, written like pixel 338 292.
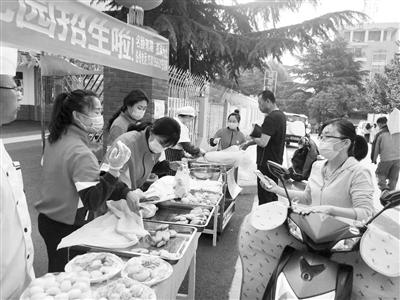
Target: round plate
pixel 160 269
pixel 147 293
pixel 58 279
pixel 269 216
pixel 83 261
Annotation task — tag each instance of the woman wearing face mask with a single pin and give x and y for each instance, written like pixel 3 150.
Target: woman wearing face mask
pixel 131 112
pixel 230 135
pixel 339 186
pixel 72 189
pixel 146 147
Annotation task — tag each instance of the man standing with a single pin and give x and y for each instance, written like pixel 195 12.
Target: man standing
pixel 16 246
pixel 388 147
pixel 271 143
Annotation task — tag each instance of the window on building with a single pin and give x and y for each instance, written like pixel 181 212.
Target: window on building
pixel 379 56
pixel 347 36
pixel 358 36
pixel 386 35
pixel 374 35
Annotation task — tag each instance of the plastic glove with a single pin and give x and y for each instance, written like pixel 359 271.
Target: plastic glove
pixel 118 156
pixel 133 198
pixel 216 140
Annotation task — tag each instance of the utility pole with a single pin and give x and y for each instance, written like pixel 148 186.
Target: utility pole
pixel 190 62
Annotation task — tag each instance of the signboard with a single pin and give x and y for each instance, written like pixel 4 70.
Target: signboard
pixel 76 30
pixel 159 108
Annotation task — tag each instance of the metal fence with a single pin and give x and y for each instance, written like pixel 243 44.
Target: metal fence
pixel 186 89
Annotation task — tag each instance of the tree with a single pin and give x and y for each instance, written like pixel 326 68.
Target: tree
pixel 330 64
pixel 335 101
pixel 222 40
pixel 383 91
pixel 333 81
pixel 251 82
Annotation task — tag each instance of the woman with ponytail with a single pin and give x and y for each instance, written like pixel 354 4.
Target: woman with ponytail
pixel 231 135
pixel 72 189
pixel 339 186
pixel 131 112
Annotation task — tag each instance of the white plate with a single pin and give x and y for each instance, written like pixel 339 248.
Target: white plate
pixel 162 268
pixel 269 215
pixel 59 278
pixel 147 292
pixel 116 267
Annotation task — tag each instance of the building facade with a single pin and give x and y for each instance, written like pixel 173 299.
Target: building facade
pixel 374 44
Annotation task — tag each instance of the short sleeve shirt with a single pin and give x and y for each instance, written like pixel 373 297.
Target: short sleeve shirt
pixel 275 126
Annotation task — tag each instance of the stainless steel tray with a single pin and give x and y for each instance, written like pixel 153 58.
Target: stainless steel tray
pixel 177 201
pixel 177 246
pixel 168 210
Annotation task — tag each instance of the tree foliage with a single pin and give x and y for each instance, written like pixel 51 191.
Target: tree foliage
pixel 223 40
pixel 337 100
pixel 383 91
pixel 332 82
pixel 330 64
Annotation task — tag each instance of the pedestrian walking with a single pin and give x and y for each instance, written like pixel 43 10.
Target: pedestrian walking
pixel 270 141
pixel 16 245
pixel 387 147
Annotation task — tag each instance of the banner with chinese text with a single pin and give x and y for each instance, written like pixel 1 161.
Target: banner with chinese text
pixel 73 29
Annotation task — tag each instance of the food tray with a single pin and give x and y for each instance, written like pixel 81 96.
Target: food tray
pixel 176 246
pixel 177 201
pixel 169 209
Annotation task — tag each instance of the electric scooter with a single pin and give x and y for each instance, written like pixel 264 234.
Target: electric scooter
pixel 311 274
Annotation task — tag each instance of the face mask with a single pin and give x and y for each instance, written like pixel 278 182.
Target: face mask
pixel 91 124
pixel 232 125
pixel 155 146
pixel 327 150
pixel 137 114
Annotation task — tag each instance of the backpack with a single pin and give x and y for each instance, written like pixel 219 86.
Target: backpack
pixel 299 171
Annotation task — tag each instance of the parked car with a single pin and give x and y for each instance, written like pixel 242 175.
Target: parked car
pixel 297 126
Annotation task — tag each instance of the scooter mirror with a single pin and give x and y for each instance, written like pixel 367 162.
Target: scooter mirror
pixel 277 169
pixel 390 199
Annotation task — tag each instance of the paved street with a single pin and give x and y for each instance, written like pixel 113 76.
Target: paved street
pixel 215 265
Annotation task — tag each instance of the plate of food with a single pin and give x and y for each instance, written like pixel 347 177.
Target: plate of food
pixel 147 270
pixel 125 289
pixel 100 265
pixel 60 286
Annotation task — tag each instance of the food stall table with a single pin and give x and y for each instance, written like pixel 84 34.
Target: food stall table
pixel 214 228
pixel 169 288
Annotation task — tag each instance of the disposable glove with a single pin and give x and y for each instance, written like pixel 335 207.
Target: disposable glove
pixel 133 198
pixel 118 156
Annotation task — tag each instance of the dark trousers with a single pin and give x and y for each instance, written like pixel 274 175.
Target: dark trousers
pixel 52 233
pixel 263 195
